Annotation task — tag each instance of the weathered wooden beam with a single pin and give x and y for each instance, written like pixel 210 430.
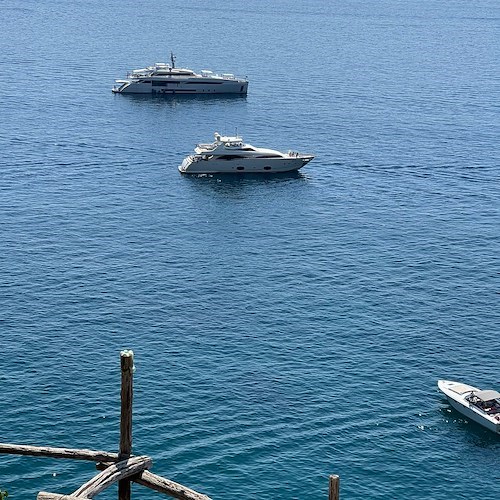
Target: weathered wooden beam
pixel 334 487
pixel 127 388
pixel 46 451
pixel 43 495
pixel 112 474
pixel 168 487
pixel 163 485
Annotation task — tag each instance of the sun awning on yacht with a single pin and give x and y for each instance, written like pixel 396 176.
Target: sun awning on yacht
pixel 487 395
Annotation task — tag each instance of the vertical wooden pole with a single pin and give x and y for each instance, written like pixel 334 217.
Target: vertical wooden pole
pixel 334 487
pixel 127 367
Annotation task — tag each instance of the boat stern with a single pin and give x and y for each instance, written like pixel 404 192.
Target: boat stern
pixel 184 167
pixel 120 86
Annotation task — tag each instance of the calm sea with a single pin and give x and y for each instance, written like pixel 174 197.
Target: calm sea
pixel 285 327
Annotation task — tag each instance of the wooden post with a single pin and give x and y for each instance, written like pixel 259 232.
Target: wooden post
pixel 127 367
pixel 334 487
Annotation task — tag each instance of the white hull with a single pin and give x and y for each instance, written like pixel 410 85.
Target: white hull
pixel 243 165
pixel 456 394
pixel 164 78
pixel 178 87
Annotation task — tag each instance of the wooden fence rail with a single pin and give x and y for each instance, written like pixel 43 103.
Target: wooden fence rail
pixel 44 495
pixel 47 451
pixel 116 472
pixel 122 467
pixel 163 485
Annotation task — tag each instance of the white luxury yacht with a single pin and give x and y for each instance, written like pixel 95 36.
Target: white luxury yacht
pixel 167 79
pixel 231 154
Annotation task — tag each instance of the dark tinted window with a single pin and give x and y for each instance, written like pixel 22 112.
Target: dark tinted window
pixel 228 157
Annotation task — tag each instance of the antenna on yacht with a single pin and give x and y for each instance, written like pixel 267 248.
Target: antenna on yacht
pixel 172 58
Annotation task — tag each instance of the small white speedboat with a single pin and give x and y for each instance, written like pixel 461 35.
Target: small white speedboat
pixel 482 406
pixel 231 154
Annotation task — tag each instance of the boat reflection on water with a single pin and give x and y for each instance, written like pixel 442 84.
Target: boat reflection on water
pixel 186 99
pixel 251 178
pixel 233 185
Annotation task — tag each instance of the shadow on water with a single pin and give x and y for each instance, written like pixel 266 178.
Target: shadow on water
pixel 238 182
pixel 174 100
pixel 473 432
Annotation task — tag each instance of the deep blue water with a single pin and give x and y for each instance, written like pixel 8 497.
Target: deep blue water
pixel 285 327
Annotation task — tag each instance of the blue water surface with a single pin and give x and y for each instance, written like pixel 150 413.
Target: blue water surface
pixel 284 327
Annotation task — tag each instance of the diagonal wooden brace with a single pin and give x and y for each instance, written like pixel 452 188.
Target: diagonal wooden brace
pixel 162 485
pixel 113 474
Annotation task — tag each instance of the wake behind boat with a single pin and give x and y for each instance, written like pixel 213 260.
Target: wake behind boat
pixel 164 78
pixel 231 154
pixel 481 406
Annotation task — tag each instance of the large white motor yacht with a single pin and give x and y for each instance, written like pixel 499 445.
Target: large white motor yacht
pixel 481 406
pixel 162 78
pixel 231 154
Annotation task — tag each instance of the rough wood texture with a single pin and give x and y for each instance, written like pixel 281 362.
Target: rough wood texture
pixel 112 474
pixel 127 367
pixel 334 487
pixel 46 451
pixel 162 485
pixel 116 467
pixel 168 487
pixel 43 495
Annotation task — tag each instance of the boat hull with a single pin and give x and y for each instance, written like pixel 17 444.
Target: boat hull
pixel 459 403
pixel 243 165
pixel 176 87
